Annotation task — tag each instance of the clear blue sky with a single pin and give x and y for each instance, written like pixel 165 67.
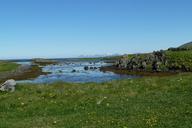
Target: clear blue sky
pixel 69 28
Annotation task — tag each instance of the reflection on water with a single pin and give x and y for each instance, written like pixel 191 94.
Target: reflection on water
pixel 75 72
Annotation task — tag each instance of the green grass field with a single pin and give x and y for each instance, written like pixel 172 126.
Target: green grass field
pixel 7 66
pixel 140 103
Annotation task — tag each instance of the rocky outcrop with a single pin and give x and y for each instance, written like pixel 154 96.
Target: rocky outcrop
pixel 159 61
pixel 155 61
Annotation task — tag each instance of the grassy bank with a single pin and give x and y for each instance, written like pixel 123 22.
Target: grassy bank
pixel 7 66
pixel 139 103
pixel 33 72
pixel 9 70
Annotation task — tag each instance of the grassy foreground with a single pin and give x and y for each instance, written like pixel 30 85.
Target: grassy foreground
pixel 140 103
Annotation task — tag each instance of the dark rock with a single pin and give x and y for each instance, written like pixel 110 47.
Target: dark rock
pixel 143 62
pixel 86 68
pixel 91 68
pixel 73 71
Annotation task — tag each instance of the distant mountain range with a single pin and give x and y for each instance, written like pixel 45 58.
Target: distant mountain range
pixel 98 56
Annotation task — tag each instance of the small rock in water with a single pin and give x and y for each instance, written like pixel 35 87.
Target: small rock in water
pixel 91 68
pixel 73 71
pixel 8 85
pixel 86 68
pixel 60 71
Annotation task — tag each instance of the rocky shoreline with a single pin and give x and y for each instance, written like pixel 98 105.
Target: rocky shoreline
pixel 122 71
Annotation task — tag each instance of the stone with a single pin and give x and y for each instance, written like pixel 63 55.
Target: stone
pixel 73 71
pixel 91 68
pixel 86 68
pixel 8 85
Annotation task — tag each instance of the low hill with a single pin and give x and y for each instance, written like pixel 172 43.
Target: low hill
pixel 186 46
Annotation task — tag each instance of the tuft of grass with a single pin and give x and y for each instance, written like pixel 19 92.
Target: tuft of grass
pixel 144 103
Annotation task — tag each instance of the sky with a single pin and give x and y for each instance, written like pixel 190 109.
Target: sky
pixel 71 28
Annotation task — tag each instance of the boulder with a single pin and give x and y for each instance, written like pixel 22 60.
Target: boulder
pixel 91 68
pixel 73 71
pixel 86 68
pixel 8 85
